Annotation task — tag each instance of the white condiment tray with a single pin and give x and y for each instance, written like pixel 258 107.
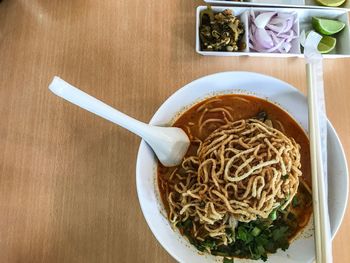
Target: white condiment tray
pixel 280 3
pixel 304 15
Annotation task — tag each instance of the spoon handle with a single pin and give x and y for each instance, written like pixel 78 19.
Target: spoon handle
pixel 70 93
pixel 170 144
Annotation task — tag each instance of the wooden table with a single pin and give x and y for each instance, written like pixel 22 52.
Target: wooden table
pixel 67 178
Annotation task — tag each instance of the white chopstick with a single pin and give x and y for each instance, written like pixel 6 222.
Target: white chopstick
pixel 323 249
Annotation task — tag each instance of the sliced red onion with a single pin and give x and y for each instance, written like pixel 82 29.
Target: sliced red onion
pixel 290 24
pixel 275 38
pixel 263 37
pixel 271 31
pixel 287 46
pixel 289 37
pixel 252 34
pixel 277 28
pixel 284 25
pixel 278 20
pixel 271 49
pixel 263 19
pixel 252 14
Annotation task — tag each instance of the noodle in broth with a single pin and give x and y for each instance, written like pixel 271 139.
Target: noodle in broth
pixel 238 172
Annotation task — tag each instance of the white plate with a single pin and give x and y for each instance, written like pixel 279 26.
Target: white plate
pixel 274 90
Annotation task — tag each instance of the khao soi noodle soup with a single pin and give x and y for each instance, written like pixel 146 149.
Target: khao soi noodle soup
pixel 243 188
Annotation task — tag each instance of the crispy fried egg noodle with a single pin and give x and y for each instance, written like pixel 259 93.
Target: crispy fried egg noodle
pixel 242 171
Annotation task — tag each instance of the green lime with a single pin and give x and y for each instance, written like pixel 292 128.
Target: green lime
pixel 327 44
pixel 331 2
pixel 327 26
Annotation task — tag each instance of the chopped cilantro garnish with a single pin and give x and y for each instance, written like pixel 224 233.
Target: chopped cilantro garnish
pixel 273 215
pixel 253 240
pixel 256 231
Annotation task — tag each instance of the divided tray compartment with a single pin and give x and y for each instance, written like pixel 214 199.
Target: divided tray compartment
pixel 304 16
pixel 295 49
pixel 342 48
pixel 280 3
pixel 240 13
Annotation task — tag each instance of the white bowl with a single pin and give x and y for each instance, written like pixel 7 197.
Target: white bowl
pixel 274 90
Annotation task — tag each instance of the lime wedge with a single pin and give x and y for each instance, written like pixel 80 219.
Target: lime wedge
pixel 331 2
pixel 327 44
pixel 327 26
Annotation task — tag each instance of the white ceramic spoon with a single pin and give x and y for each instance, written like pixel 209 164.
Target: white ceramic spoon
pixel 170 144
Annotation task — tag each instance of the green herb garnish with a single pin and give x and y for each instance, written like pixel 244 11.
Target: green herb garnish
pixel 256 231
pixel 253 240
pixel 273 215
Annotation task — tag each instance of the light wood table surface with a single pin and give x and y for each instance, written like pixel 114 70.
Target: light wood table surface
pixel 67 178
